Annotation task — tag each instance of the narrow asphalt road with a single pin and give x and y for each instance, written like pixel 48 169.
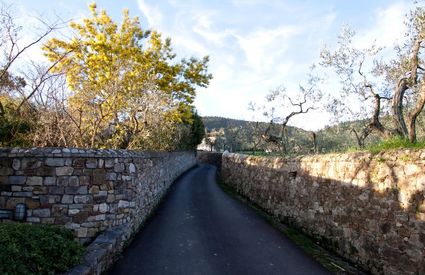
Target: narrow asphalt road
pixel 199 229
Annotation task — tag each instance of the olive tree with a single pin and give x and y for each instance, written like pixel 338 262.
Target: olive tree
pixel 373 88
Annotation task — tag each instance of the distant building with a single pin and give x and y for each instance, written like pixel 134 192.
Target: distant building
pixel 213 140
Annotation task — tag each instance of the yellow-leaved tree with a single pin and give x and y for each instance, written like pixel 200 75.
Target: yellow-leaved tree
pixel 127 88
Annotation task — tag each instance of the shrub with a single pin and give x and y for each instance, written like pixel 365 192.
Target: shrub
pixel 37 249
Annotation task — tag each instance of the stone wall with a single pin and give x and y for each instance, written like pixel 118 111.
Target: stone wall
pixel 213 158
pixel 88 191
pixel 368 208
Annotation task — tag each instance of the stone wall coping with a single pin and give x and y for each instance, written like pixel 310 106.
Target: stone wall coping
pixel 60 152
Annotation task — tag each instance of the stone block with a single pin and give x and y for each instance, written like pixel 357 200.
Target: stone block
pixel 99 176
pixel 16 164
pixel 12 202
pixel 55 162
pixel 71 190
pixel 123 204
pixel 73 212
pixel 33 220
pixel 111 176
pixel 6 171
pixel 64 171
pixel 81 217
pixel 56 190
pixel 78 172
pixel 84 180
pixel 59 210
pixel 103 208
pixel 83 199
pixel 34 181
pixel 47 220
pixel 32 203
pixel 22 194
pixel 72 225
pixel 78 163
pixel 27 188
pixel 63 181
pixel 131 168
pixel 99 198
pixel 41 213
pixel 63 219
pixel 91 163
pixel 17 180
pixel 119 167
pixel 49 181
pixel 49 199
pixel 82 190
pixel 81 232
pixel 109 163
pixel 100 217
pixel 94 189
pixel 67 199
pixel 74 181
pixel 45 171
pixel 110 198
pixel 92 232
pixel 101 163
pixel 39 190
pixel 76 206
pixel 14 188
pixel 90 224
pixel 126 178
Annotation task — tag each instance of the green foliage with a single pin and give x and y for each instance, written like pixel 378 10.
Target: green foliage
pixel 37 249
pixel 14 127
pixel 197 132
pixel 395 143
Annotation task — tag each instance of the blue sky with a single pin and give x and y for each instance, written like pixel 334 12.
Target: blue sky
pixel 254 45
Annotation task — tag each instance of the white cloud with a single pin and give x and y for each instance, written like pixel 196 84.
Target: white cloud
pixel 203 28
pixel 388 28
pixel 153 13
pixel 263 48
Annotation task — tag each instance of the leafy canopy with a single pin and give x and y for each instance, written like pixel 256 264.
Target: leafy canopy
pixel 110 67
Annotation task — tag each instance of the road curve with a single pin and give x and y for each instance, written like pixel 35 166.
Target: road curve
pixel 199 229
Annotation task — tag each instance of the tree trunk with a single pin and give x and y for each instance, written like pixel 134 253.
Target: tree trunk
pixel 375 123
pixel 313 134
pixel 397 108
pixel 414 115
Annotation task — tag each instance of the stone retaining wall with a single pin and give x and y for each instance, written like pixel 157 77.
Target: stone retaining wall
pixel 368 208
pixel 87 191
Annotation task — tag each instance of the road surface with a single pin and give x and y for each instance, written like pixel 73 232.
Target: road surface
pixel 199 229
